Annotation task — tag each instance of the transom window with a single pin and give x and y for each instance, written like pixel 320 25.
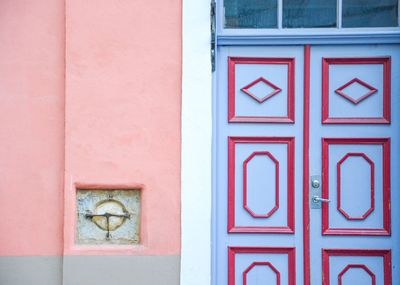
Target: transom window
pixel 287 14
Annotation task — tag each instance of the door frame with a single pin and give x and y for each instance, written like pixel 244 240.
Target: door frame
pixel 198 87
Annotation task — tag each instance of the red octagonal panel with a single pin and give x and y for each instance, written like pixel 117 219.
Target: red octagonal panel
pixel 361 266
pixel 372 188
pixel 259 263
pixel 269 156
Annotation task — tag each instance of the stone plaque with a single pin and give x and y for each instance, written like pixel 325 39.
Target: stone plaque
pixel 108 216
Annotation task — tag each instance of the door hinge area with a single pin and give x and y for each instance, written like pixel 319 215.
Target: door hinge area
pixel 212 28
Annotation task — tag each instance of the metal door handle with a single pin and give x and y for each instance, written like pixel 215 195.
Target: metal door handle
pixel 317 199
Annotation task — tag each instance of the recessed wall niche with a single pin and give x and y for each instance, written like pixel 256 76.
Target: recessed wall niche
pixel 107 216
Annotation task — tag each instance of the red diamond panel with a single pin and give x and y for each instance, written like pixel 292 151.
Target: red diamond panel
pixel 351 98
pixel 275 89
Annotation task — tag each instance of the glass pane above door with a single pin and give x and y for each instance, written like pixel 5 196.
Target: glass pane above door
pixel 314 14
pixel 251 14
pixel 369 13
pixel 309 13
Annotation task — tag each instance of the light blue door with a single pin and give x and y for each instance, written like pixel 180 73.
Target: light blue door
pixel 354 146
pixel 259 161
pixel 307 165
pixel 306 143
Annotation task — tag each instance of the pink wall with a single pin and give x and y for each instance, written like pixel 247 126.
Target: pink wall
pixel 32 126
pixel 122 116
pixel 123 95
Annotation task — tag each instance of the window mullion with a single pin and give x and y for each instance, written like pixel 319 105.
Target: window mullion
pixel 280 14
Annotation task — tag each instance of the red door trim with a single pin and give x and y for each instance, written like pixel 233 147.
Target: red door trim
pixel 386 229
pixel 245 205
pixel 339 186
pixel 289 228
pixel 306 170
pixel 386 254
pixel 386 63
pixel 289 118
pixel 267 96
pixel 361 266
pixel 268 264
pixel 289 251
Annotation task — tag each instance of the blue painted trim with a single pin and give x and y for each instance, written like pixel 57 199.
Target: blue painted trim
pixel 214 171
pixel 335 39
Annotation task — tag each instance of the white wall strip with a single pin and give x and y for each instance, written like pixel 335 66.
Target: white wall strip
pixel 196 144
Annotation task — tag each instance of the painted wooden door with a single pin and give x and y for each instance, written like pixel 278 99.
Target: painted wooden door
pixel 306 168
pixel 354 144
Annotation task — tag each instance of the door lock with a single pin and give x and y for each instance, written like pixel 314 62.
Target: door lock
pixel 317 199
pixel 315 183
pixel 315 193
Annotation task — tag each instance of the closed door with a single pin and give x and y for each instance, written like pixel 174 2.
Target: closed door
pixel 306 168
pixel 354 132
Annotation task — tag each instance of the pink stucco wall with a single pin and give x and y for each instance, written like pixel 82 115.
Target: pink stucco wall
pixel 123 109
pixel 31 127
pixel 122 91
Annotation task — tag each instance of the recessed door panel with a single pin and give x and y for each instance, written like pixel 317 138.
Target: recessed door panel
pixel 261 89
pixel 261 265
pixel 261 184
pixel 355 266
pixel 356 178
pixel 356 90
